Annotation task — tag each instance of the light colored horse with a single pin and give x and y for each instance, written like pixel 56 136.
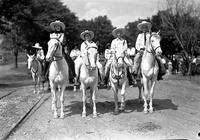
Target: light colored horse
pixel 118 77
pixel 36 70
pixel 89 78
pixel 58 74
pixel 150 69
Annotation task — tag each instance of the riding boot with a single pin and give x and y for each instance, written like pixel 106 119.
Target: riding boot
pixel 162 69
pixel 137 61
pixel 130 80
pixel 106 78
pixel 45 71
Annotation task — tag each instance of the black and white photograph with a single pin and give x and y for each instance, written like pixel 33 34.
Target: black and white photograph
pixel 99 70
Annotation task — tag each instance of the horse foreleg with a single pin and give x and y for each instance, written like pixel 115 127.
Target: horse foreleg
pixel 115 91
pixel 38 83
pixel 122 107
pixel 54 100
pixel 153 82
pixel 62 102
pixel 75 84
pixel 145 94
pixel 35 83
pixel 94 102
pixel 84 102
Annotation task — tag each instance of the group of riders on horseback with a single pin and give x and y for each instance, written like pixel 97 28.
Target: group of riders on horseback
pixel 119 44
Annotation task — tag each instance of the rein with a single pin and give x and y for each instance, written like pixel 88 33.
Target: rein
pixel 118 76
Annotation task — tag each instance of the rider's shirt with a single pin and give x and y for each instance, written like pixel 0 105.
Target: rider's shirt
pixel 85 45
pixel 119 45
pixel 108 54
pixel 59 36
pixel 140 42
pixel 75 53
pixel 131 51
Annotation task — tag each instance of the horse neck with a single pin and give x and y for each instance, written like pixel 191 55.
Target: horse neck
pixel 37 68
pixel 148 55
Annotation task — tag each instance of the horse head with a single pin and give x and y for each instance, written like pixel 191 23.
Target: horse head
pixel 31 58
pixel 118 65
pixel 91 58
pixel 154 44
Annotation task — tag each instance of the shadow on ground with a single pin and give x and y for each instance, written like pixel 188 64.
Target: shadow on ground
pixel 75 107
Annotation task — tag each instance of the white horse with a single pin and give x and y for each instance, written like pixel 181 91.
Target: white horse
pixel 36 70
pixel 89 77
pixel 118 77
pixel 150 69
pixel 58 74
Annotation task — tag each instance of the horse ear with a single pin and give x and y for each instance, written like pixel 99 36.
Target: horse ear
pixel 158 32
pixel 27 55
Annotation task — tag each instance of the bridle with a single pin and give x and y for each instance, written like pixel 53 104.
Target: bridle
pixel 113 74
pixel 88 66
pixel 152 50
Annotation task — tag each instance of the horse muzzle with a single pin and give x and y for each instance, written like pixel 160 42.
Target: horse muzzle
pixel 92 67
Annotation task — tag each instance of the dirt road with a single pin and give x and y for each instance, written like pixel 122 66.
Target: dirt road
pixel 176 116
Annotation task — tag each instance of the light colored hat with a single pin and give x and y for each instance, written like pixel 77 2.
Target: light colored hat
pixel 141 25
pixel 91 33
pixel 58 23
pixel 37 45
pixel 115 31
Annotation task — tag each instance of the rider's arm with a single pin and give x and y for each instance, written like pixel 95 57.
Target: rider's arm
pixel 83 49
pixel 125 46
pixel 113 47
pixel 139 42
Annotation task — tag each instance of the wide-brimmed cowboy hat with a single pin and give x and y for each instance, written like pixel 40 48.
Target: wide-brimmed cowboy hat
pixel 37 46
pixel 144 24
pixel 57 23
pixel 115 31
pixel 91 33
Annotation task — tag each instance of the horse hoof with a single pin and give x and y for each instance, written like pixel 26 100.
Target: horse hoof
pixel 55 116
pixel 83 115
pixel 116 112
pixel 94 115
pixel 62 116
pixel 145 111
pixel 151 110
pixel 122 108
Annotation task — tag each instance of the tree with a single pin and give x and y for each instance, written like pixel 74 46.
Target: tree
pixel 181 18
pixel 28 21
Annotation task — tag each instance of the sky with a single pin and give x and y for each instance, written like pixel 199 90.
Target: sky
pixel 120 12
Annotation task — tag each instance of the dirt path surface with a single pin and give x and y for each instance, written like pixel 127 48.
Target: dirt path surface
pixel 16 96
pixel 176 116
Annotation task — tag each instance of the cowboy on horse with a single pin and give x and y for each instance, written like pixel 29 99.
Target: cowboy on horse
pixel 140 44
pixel 118 45
pixel 87 36
pixel 57 32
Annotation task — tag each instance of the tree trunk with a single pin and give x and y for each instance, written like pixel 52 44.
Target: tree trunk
pixel 16 58
pixel 15 51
